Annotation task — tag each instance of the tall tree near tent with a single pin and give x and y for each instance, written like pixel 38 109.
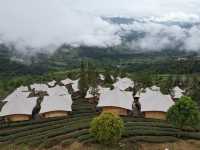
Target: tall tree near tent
pixel 92 78
pixel 83 82
pixel 108 78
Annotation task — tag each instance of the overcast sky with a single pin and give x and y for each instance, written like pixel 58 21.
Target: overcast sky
pixel 46 24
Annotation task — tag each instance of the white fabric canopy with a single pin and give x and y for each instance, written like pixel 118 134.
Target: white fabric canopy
pixel 102 77
pixel 75 85
pixel 57 91
pixel 177 92
pixel 67 81
pixel 21 105
pixel 154 100
pixel 56 103
pixel 123 83
pixel 39 87
pixel 52 83
pixel 18 94
pixel 116 98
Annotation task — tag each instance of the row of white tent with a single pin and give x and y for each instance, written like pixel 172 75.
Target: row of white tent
pixel 59 99
pixel 19 102
pixel 151 99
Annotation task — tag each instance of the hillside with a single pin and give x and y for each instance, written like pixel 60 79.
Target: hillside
pixel 48 133
pixel 66 57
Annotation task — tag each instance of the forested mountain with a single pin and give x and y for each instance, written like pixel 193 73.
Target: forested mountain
pixel 165 61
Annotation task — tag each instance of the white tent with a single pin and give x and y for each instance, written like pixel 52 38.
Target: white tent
pixel 99 91
pixel 57 91
pixel 22 89
pixel 102 77
pixel 19 106
pixel 116 98
pixel 153 100
pixel 56 103
pixel 52 83
pixel 66 81
pixel 177 92
pixel 75 85
pixel 123 83
pixel 39 87
pixel 18 94
pixel 103 89
pixel 89 93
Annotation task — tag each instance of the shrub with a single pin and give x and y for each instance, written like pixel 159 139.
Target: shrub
pixel 107 128
pixel 184 113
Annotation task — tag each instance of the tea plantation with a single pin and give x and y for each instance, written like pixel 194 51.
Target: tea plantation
pixel 46 133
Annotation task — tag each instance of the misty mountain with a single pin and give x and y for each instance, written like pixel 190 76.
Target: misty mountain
pixel 128 21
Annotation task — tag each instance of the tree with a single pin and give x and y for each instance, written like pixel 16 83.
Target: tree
pixel 143 80
pixel 184 113
pixel 193 90
pixel 83 82
pixel 166 85
pixel 107 128
pixel 108 78
pixel 92 79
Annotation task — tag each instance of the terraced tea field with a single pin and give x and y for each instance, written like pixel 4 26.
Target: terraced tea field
pixel 46 133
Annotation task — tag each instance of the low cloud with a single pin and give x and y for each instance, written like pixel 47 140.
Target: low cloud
pixel 43 25
pixel 161 36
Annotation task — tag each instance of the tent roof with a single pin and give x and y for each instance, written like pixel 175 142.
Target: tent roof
pixel 18 94
pixel 39 87
pixel 66 81
pixel 75 85
pixel 56 103
pixel 154 100
pixel 116 98
pixel 177 92
pixel 102 77
pixel 21 105
pixel 57 90
pixel 52 83
pixel 123 83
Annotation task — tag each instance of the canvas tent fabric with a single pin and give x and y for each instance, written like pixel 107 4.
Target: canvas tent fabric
pixel 22 89
pixel 123 83
pixel 17 95
pixel 75 85
pixel 19 106
pixel 57 90
pixel 67 81
pixel 103 89
pixel 99 91
pixel 177 92
pixel 154 100
pixel 89 93
pixel 155 88
pixel 116 98
pixel 56 103
pixel 52 83
pixel 39 87
pixel 102 77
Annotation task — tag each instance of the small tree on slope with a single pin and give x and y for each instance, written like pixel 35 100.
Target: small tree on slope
pixel 107 128
pixel 184 113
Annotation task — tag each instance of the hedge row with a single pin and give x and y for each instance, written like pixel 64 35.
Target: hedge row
pixel 151 139
pixel 152 128
pixel 133 119
pixel 46 124
pixel 160 132
pixel 46 129
pixel 30 122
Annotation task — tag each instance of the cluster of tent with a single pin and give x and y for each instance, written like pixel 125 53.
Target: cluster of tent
pixel 57 100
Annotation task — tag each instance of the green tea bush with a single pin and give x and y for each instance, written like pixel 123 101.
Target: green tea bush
pixel 107 128
pixel 184 113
